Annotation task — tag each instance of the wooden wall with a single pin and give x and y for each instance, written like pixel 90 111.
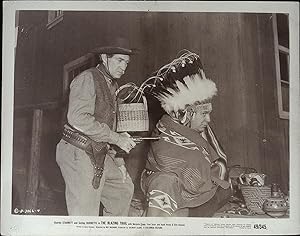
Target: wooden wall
pixel 236 50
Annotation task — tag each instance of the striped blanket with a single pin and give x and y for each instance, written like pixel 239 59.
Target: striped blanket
pixel 185 168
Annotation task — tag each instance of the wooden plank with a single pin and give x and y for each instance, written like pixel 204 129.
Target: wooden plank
pixel 45 105
pixel 34 162
pixel 226 68
pixel 276 146
pixel 250 59
pixel 285 157
pixel 222 58
pixel 21 152
pixel 261 90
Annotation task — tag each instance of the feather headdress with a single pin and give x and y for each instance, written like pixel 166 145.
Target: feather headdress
pixel 182 83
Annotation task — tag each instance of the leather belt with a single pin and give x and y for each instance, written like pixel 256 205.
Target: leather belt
pixel 95 150
pixel 76 138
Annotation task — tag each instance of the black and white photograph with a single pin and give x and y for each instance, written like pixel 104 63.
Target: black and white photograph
pixel 150 118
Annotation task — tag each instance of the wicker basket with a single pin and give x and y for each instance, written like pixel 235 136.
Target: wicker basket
pixel 133 117
pixel 255 197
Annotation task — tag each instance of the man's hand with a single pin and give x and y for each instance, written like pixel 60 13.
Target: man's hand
pixel 125 142
pixel 124 172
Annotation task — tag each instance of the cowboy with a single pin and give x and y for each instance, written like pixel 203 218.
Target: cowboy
pixel 187 164
pixel 92 171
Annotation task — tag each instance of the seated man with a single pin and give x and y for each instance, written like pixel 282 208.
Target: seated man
pixel 186 165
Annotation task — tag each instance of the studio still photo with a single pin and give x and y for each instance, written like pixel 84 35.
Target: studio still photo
pixel 151 114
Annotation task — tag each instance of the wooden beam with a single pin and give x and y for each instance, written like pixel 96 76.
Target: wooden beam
pixel 34 162
pixel 39 106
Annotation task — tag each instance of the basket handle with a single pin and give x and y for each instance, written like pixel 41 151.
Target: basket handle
pixel 128 85
pixel 145 102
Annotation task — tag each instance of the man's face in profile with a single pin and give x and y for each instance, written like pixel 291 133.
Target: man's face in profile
pixel 201 117
pixel 117 65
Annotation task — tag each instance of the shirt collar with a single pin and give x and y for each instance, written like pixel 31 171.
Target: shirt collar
pixel 106 73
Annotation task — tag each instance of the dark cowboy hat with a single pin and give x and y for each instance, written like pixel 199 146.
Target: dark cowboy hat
pixel 117 46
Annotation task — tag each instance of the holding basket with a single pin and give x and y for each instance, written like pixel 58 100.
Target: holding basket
pixel 133 117
pixel 132 114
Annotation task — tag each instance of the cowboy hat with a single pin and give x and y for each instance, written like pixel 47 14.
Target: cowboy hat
pixel 118 46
